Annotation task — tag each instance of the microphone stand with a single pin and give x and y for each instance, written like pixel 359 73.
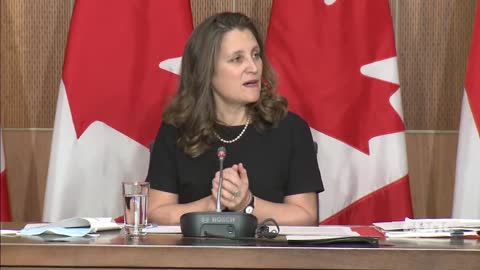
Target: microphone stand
pixel 221 156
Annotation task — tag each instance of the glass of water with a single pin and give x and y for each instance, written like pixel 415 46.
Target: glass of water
pixel 135 205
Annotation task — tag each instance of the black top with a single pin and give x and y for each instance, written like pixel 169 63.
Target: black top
pixel 279 162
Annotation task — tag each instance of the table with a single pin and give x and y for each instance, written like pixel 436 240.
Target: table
pixel 116 251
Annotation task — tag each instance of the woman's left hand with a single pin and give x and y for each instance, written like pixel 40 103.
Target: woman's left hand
pixel 234 187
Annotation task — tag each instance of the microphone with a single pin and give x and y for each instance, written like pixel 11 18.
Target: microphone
pixel 221 154
pixel 218 224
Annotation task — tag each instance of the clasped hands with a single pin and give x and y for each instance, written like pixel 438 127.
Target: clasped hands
pixel 235 191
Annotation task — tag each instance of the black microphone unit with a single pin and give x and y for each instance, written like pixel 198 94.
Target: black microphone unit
pixel 218 224
pixel 214 224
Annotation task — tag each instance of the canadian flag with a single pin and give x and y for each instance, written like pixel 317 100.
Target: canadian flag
pixel 121 67
pixel 337 66
pixel 466 202
pixel 4 199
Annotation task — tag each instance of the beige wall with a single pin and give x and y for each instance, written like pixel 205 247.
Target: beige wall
pixel 432 42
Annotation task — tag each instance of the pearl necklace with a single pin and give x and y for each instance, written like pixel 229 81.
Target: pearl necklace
pixel 236 138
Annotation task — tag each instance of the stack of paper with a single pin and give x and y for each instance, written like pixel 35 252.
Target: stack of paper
pixel 315 232
pixel 326 235
pixel 430 228
pixel 74 227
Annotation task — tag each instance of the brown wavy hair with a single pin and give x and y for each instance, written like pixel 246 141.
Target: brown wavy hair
pixel 192 109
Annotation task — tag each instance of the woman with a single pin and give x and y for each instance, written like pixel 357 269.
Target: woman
pixel 226 98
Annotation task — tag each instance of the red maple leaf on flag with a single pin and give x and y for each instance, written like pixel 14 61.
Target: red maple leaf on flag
pixel 111 71
pixel 318 65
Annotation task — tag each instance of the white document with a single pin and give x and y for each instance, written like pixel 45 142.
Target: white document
pixel 8 232
pixel 163 229
pixel 293 237
pixel 76 227
pixel 427 234
pixel 411 228
pixel 322 230
pixel 445 223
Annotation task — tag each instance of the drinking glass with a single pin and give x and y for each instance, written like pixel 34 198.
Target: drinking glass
pixel 135 205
